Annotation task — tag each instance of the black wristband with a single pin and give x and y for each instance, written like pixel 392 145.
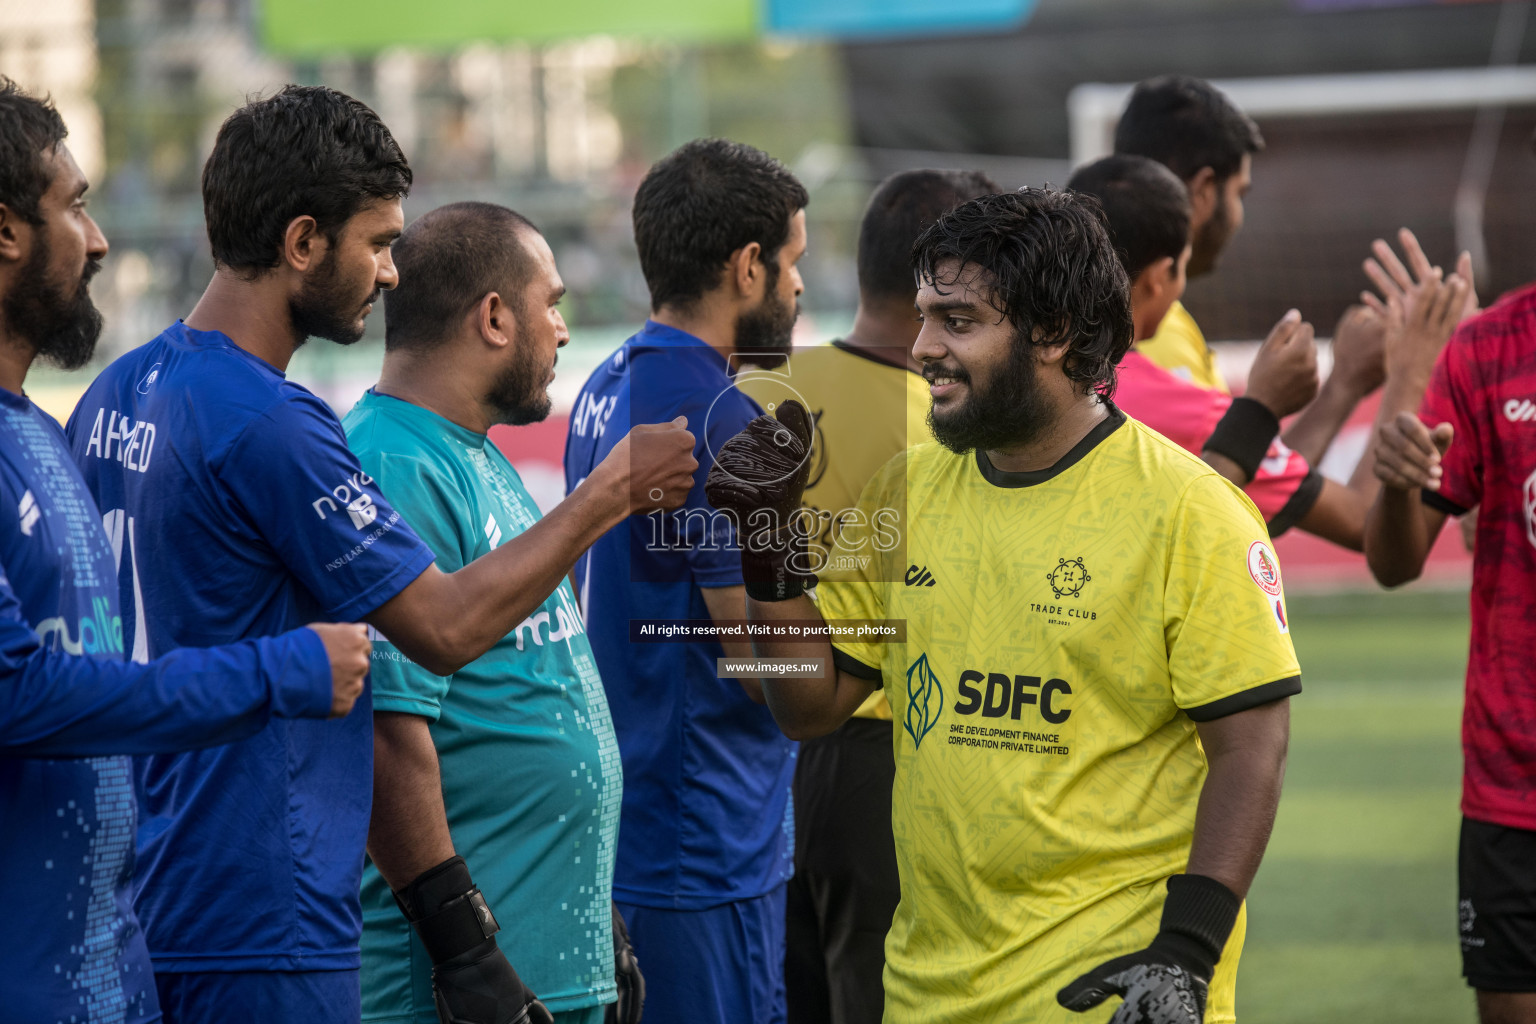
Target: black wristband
pixel 447 910
pixel 1244 434
pixel 1201 909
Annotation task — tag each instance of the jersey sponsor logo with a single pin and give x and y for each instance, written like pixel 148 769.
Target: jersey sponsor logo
pixel 919 576
pixel 29 512
pixel 925 700
pixel 365 543
pixel 1520 410
pixel 148 380
pixel 492 531
pixel 118 438
pixel 1266 573
pixel 1068 578
pixel 357 502
pixel 535 627
pixel 996 694
pixel 98 633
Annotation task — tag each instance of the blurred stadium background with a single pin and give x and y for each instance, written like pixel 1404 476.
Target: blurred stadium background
pixel 1377 113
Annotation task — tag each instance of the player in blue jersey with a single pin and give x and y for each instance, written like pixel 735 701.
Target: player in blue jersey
pixel 245 514
pixel 511 762
pixel 706 835
pixel 70 708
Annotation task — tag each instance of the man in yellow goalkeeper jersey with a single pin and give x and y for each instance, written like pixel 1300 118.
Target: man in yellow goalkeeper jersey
pixel 1092 694
pixel 869 400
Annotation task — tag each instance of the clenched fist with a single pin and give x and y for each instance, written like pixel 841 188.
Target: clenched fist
pixel 653 464
pixel 348 648
pixel 1284 375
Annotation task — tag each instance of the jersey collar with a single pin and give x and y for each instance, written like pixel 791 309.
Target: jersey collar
pixel 1002 478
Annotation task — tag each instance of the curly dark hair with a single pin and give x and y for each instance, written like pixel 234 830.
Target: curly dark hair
pixel 29 127
pixel 702 202
pixel 307 150
pixel 1054 274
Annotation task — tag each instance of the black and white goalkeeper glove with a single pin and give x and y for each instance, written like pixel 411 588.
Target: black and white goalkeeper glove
pixel 472 980
pixel 758 477
pixel 1166 983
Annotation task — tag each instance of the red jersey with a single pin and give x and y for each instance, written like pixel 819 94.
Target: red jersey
pixel 1484 385
pixel 1285 487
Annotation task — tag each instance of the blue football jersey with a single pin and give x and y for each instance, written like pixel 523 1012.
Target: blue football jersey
pixel 69 708
pixel 706 816
pixel 242 514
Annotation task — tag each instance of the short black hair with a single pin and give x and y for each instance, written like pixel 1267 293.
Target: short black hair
pixel 702 202
pixel 448 260
pixel 307 150
pixel 1185 124
pixel 1054 273
pixel 900 209
pixel 29 127
pixel 1146 208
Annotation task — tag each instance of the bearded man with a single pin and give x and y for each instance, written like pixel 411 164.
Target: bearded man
pixel 705 846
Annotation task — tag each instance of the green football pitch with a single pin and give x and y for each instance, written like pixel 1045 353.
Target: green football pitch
pixel 1353 915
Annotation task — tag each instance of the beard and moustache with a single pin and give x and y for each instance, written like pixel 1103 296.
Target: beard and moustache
pixel 1213 236
pixel 520 395
pixel 764 335
pixel 1006 409
pixel 63 328
pixel 325 306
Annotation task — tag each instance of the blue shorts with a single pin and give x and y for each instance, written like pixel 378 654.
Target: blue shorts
pixel 724 965
pixel 260 997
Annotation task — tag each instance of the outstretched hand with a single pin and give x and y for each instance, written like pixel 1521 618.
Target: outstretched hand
pixel 1394 280
pixel 1419 324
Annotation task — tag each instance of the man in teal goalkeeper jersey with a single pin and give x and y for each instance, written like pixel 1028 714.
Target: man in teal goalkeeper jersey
pixel 514 754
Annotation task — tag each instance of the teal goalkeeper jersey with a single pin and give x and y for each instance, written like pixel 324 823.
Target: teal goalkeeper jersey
pixel 530 766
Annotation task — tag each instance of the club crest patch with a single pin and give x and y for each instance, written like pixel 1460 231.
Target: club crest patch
pixel 1263 568
pixel 1265 571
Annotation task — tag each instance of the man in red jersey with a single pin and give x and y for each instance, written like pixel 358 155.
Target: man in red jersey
pixel 1473 444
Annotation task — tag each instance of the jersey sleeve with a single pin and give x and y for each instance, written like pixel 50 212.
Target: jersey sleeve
pixel 54 704
pixel 425 496
pixel 1449 399
pixel 292 473
pixel 1224 615
pixel 1285 488
pixel 850 586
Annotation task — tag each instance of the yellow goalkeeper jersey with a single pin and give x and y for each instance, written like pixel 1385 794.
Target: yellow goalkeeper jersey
pixel 1179 346
pixel 1065 630
pixel 866 410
